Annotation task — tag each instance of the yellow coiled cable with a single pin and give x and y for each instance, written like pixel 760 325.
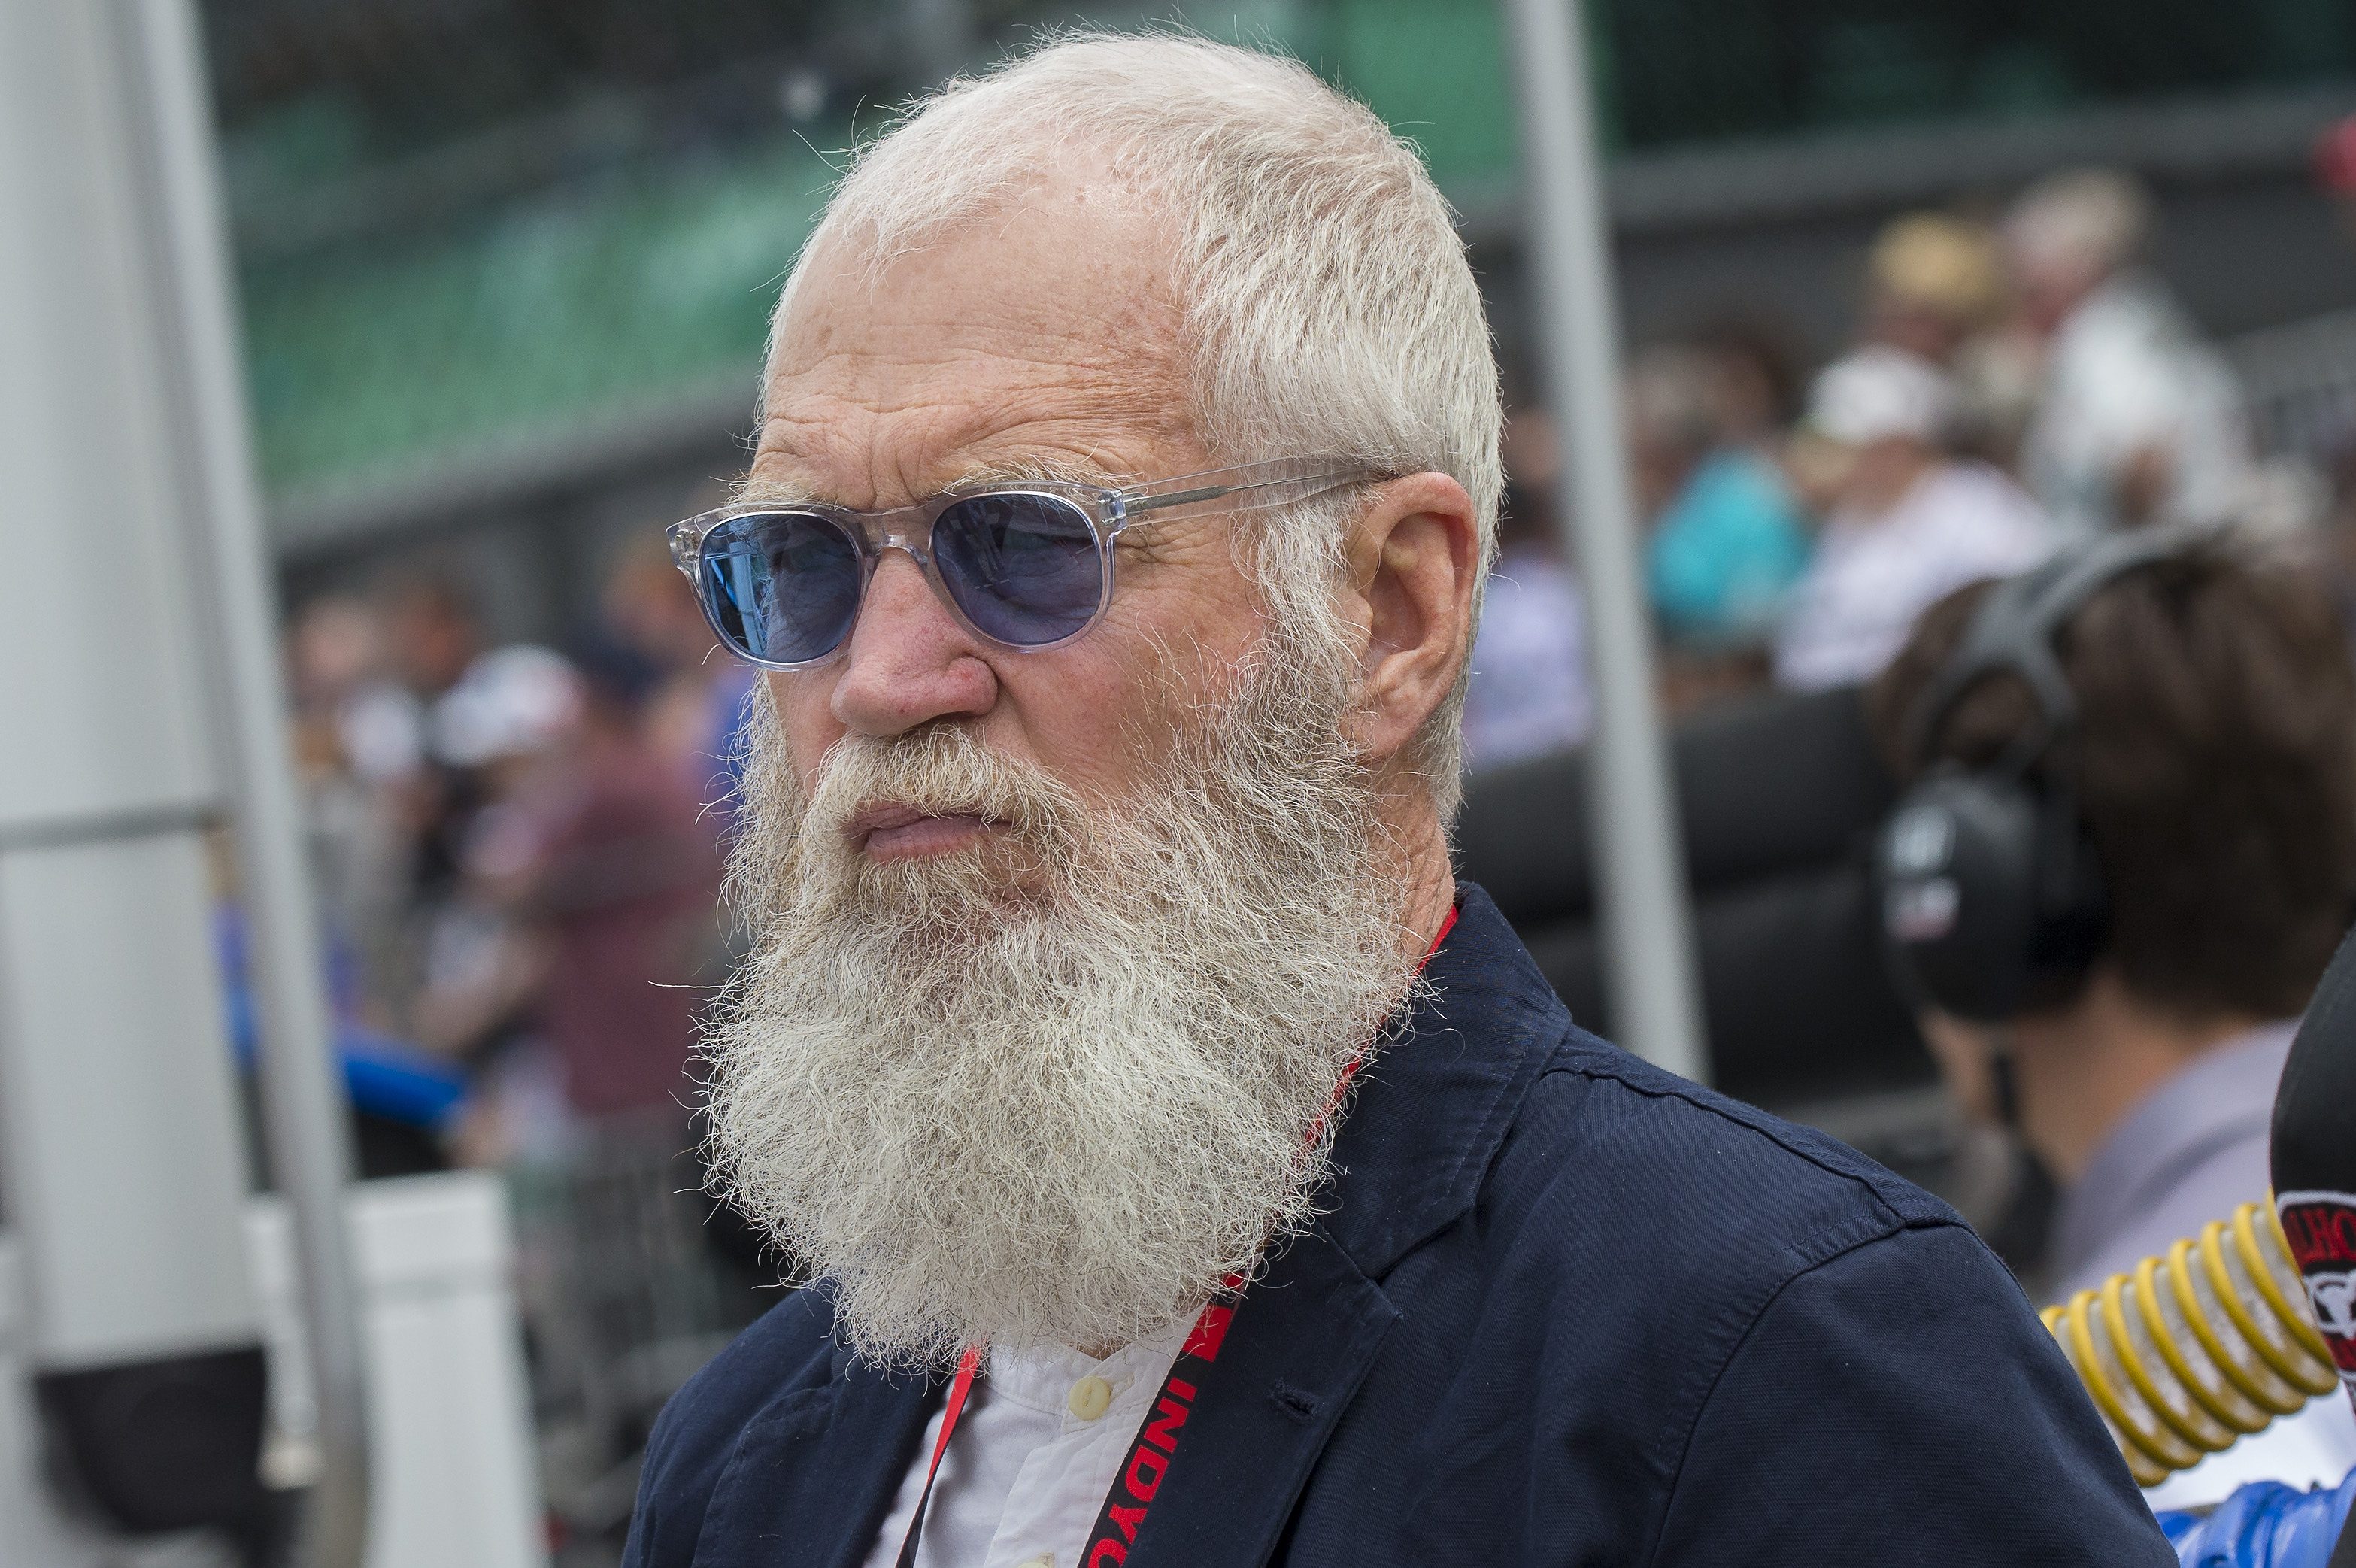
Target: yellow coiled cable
pixel 2187 1353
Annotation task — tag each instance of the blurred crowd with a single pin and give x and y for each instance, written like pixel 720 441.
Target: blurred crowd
pixel 2015 383
pixel 491 817
pixel 519 852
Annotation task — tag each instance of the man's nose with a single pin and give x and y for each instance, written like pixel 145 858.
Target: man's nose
pixel 909 662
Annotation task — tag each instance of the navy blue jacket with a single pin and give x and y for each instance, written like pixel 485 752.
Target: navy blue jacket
pixel 1566 1308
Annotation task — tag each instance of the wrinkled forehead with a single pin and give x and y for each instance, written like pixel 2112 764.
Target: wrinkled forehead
pixel 1041 332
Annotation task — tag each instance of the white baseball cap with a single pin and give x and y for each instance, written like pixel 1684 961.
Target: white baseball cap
pixel 511 701
pixel 1878 393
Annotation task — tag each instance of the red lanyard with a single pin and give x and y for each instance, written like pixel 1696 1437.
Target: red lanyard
pixel 960 1387
pixel 1156 1443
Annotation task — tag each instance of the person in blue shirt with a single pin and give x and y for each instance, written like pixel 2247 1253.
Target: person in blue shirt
pixel 1727 540
pixel 1726 551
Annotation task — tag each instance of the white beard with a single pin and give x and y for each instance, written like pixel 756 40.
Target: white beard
pixel 1057 1088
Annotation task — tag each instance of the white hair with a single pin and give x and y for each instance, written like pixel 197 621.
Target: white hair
pixel 1329 308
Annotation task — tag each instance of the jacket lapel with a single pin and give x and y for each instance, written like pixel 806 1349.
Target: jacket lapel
pixel 813 1477
pixel 1300 1342
pixel 1413 1147
pixel 1432 1107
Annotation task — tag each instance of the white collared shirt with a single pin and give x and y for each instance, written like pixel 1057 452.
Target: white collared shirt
pixel 1032 1459
pixel 1873 573
pixel 2127 371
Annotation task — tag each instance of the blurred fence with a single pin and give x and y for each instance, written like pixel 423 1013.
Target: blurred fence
pixel 627 1298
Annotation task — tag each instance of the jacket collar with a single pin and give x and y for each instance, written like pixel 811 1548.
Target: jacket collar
pixel 1430 1109
pixel 812 1476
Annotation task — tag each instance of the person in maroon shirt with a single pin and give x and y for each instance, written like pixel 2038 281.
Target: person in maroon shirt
pixel 618 871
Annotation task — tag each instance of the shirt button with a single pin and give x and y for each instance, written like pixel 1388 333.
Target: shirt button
pixel 1092 1397
pixel 1045 1560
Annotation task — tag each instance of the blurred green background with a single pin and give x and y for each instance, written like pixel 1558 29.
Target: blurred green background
pixel 464 224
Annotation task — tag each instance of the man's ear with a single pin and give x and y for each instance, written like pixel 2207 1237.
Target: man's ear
pixel 1413 565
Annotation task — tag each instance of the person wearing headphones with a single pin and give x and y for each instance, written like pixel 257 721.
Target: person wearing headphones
pixel 2127 852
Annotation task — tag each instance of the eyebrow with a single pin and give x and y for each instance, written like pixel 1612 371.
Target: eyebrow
pixel 761 489
pixel 756 489
pixel 1041 470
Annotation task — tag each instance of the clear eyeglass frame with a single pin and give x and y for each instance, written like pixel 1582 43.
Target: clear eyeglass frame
pixel 1110 511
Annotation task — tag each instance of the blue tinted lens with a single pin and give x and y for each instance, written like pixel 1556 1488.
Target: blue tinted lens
pixel 781 586
pixel 1025 569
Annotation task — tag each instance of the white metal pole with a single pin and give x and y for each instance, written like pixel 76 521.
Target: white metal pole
pixel 1650 982
pixel 305 1107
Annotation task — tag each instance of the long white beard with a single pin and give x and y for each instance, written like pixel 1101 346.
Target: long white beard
pixel 1057 1088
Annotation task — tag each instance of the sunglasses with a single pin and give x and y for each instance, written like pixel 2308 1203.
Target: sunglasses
pixel 1025 565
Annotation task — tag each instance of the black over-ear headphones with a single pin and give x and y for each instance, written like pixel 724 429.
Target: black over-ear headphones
pixel 1992 900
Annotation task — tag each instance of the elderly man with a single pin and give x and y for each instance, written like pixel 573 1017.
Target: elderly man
pixel 1187 1169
